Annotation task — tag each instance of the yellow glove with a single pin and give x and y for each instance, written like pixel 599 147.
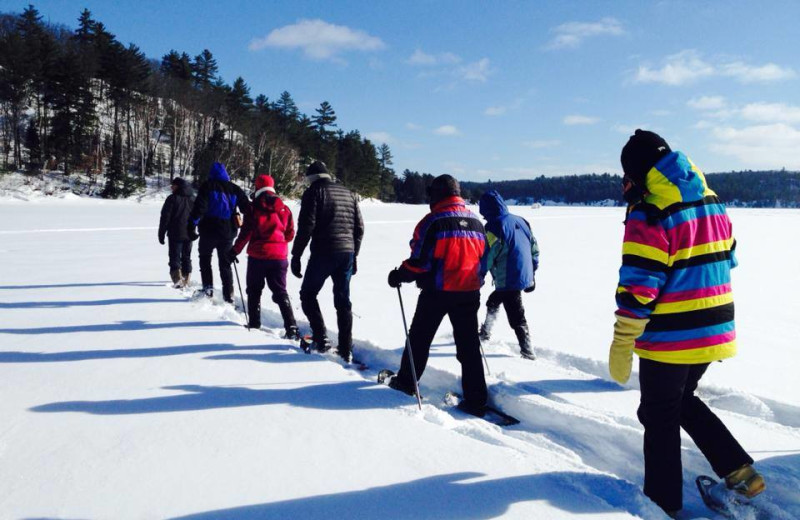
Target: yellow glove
pixel 620 356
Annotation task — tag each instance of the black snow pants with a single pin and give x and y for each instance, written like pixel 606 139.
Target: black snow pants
pixel 273 274
pixel 462 309
pixel 515 312
pixel 180 255
pixel 668 404
pixel 222 245
pixel 339 268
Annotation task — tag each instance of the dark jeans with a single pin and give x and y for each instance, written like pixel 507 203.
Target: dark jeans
pixel 273 273
pixel 180 255
pixel 339 268
pixel 668 404
pixel 206 247
pixel 462 309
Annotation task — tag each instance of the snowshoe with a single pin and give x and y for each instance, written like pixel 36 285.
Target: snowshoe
pixel 307 343
pixel 207 292
pixel 486 412
pixel 725 501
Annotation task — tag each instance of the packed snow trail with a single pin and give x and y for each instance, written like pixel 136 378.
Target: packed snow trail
pixel 123 400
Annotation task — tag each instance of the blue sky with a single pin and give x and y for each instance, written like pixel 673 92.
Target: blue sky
pixel 504 90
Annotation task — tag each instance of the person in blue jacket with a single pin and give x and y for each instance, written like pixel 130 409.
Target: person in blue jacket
pixel 214 213
pixel 513 258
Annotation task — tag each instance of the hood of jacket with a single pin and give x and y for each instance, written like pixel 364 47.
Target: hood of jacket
pixel 218 173
pixel 492 205
pixel 268 203
pixel 675 179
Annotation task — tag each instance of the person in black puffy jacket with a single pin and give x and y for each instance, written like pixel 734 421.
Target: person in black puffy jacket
pixel 174 218
pixel 331 221
pixel 214 213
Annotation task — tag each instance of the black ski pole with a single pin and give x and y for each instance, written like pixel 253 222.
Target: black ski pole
pixel 408 349
pixel 241 294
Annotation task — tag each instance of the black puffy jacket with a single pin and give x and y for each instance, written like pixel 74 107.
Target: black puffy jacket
pixel 175 213
pixel 329 219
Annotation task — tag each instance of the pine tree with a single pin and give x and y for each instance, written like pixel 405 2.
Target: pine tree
pixel 325 117
pixel 204 69
pixel 286 106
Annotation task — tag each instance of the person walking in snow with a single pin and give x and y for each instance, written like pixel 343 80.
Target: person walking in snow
pixel 214 213
pixel 447 250
pixel 512 259
pixel 675 310
pixel 330 220
pixel 268 228
pixel 172 226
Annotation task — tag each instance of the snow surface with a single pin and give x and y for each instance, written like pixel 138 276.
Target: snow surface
pixel 120 397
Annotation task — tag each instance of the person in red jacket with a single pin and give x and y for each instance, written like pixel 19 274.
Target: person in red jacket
pixel 447 262
pixel 268 228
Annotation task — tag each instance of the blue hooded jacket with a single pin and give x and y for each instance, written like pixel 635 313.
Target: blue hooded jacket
pixel 513 255
pixel 216 204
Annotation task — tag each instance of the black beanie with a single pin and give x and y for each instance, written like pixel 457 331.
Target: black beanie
pixel 316 168
pixel 442 187
pixel 642 151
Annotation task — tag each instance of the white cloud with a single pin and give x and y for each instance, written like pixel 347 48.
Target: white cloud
pixel 756 74
pixel 380 137
pixel 689 66
pixel 771 113
pixel 760 146
pixel 495 111
pixel 318 39
pixel 679 69
pixel 448 130
pixel 575 119
pixel 570 35
pixel 475 71
pixel 630 129
pixel 708 103
pixel 539 144
pixel 422 58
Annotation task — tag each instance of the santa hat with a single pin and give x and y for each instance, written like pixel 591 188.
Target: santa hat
pixel 264 183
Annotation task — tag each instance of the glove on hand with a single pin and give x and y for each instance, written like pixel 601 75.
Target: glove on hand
pixel 297 267
pixel 355 266
pixel 232 256
pixel 620 356
pixel 161 239
pixel 532 287
pixel 191 230
pixel 394 278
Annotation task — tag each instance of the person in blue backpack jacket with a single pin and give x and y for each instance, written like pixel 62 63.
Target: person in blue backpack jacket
pixel 214 213
pixel 512 259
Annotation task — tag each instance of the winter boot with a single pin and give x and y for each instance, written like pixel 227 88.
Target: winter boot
pixel 254 312
pixel 186 278
pixel 228 296
pixel 289 323
pixel 746 481
pixel 401 386
pixel 488 324
pixel 175 274
pixel 525 346
pixel 345 352
pixel 321 345
pixel 292 333
pixel 207 291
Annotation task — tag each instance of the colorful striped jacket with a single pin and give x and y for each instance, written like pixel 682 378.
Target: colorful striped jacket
pixel 447 249
pixel 677 257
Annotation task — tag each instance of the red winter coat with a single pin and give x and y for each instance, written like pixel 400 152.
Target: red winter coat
pixel 268 227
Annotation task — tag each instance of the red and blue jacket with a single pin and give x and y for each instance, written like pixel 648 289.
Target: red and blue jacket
pixel 447 249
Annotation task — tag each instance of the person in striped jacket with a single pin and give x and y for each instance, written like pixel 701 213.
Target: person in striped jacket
pixel 446 262
pixel 675 311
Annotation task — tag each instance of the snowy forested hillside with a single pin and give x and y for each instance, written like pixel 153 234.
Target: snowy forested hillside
pixel 122 398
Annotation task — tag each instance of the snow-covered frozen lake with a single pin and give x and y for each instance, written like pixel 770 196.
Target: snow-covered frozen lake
pixel 120 398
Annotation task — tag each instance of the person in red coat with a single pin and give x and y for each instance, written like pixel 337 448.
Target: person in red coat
pixel 268 228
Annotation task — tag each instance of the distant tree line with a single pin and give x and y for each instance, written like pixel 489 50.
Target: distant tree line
pixel 82 102
pixel 745 188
